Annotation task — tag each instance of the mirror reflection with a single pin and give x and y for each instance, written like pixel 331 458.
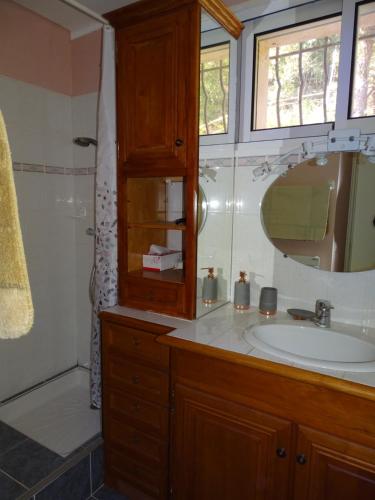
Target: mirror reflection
pixel 324 216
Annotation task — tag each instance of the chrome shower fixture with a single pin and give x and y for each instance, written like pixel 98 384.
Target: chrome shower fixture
pixel 85 141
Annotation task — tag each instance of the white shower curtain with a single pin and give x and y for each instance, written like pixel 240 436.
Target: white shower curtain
pixel 106 208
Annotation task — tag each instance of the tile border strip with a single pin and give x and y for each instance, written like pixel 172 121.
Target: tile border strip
pixel 48 169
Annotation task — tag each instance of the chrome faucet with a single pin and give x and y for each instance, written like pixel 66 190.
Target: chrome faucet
pixel 323 313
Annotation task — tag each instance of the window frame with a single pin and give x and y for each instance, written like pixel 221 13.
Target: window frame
pixel 347 69
pixel 217 37
pixel 303 14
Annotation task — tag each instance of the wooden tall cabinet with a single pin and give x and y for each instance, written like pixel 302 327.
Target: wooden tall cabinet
pixel 158 63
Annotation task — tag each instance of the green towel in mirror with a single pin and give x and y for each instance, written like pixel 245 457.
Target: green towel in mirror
pixel 296 212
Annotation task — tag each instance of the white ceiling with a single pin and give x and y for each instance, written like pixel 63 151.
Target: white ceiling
pixel 74 21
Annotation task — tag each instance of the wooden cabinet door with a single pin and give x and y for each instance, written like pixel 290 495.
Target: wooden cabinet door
pixel 330 468
pixel 154 66
pixel 225 451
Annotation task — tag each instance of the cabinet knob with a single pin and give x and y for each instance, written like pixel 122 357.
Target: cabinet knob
pixel 135 379
pixel 281 452
pixel 179 142
pixel 301 459
pixel 136 341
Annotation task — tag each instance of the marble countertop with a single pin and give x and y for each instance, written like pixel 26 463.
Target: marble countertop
pixel 223 328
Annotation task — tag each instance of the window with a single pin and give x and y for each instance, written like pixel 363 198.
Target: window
pixel 218 87
pixel 363 82
pixel 296 75
pixel 214 89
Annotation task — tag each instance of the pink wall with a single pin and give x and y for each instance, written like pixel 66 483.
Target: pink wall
pixel 33 49
pixel 86 55
pixel 38 51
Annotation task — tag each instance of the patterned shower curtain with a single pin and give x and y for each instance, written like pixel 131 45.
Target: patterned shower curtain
pixel 105 294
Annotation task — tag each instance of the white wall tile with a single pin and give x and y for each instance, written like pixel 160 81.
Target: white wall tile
pixel 84 125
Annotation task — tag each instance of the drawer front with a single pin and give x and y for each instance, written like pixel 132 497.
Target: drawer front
pixel 147 478
pixel 154 295
pixel 136 443
pixel 136 343
pixel 140 413
pixel 137 379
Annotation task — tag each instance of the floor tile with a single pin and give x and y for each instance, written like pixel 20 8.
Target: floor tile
pixel 105 493
pixel 9 438
pixel 29 462
pixel 97 473
pixel 74 484
pixel 9 489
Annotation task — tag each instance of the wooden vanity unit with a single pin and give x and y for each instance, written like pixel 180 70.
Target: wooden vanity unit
pixel 188 421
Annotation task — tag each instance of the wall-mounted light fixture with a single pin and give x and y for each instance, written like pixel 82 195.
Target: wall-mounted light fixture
pixel 337 141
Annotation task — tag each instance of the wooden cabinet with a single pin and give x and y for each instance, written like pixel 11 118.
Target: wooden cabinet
pixel 227 451
pixel 155 61
pixel 242 432
pixel 330 468
pixel 158 50
pixel 158 64
pixel 135 407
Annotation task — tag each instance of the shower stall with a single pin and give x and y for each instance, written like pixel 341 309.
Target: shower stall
pixel 49 96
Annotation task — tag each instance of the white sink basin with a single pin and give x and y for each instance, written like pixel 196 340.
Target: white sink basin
pixel 313 346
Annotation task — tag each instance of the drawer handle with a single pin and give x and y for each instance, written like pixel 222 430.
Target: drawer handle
pixel 281 452
pixel 136 342
pixel 301 459
pixel 135 379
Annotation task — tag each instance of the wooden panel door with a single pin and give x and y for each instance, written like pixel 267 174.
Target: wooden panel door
pixel 225 451
pixel 154 66
pixel 330 468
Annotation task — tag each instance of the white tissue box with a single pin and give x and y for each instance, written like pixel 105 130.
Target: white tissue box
pixel 162 262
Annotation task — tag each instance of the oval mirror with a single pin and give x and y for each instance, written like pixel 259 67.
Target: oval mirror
pixel 202 209
pixel 324 216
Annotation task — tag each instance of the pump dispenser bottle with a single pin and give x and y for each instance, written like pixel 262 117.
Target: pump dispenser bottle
pixel 242 293
pixel 209 292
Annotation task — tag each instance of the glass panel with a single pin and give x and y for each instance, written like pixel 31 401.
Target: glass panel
pixel 156 217
pixel 363 91
pixel 216 186
pixel 155 201
pixel 214 90
pixel 296 75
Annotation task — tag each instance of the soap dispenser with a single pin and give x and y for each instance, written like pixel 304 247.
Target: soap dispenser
pixel 209 292
pixel 242 293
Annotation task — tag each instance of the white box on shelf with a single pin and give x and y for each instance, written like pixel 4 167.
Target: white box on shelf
pixel 161 262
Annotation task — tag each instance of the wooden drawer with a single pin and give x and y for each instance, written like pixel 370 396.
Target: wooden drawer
pixel 136 343
pixel 142 414
pixel 138 444
pixel 152 481
pixel 139 380
pixel 154 295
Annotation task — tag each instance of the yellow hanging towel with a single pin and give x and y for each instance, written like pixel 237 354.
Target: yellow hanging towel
pixel 16 307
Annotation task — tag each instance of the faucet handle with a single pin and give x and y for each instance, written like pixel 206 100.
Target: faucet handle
pixel 322 305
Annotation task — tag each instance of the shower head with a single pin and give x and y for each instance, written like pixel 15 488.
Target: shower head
pixel 85 141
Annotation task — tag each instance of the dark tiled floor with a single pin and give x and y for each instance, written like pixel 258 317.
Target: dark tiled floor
pixel 24 463
pixel 9 438
pixel 105 493
pixel 29 462
pixel 9 489
pixel 73 484
pixel 97 468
